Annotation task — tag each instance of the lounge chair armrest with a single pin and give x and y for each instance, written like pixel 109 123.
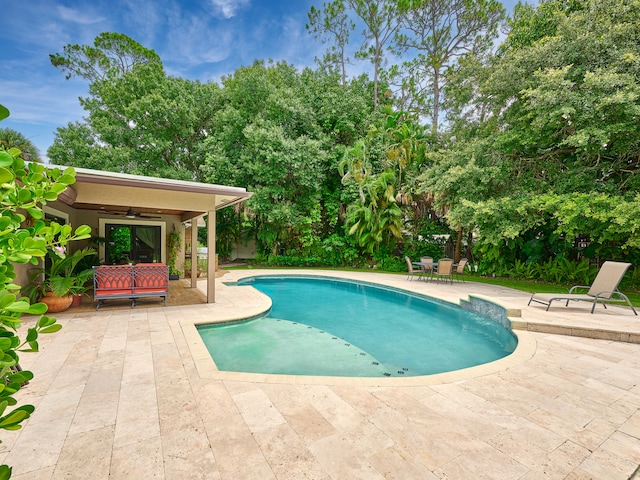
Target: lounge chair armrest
pixel 599 294
pixel 585 287
pixel 612 294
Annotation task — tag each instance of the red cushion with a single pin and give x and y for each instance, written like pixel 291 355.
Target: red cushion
pixel 150 290
pixel 105 293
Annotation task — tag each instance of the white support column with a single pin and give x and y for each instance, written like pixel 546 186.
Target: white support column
pixel 211 257
pixel 194 253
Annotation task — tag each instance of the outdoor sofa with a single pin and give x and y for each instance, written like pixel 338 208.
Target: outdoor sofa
pixel 130 281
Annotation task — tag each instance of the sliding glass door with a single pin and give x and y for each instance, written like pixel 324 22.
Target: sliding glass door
pixel 132 243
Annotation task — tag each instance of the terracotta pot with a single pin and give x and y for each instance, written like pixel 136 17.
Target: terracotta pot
pixel 76 299
pixel 56 304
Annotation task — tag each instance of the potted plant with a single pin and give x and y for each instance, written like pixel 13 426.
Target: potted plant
pixel 201 266
pixel 82 273
pixel 81 285
pixel 187 267
pixel 56 283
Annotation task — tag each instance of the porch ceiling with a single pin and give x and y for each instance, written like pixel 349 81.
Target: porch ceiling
pixel 117 192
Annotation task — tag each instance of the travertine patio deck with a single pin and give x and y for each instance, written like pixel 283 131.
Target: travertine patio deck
pixel 128 394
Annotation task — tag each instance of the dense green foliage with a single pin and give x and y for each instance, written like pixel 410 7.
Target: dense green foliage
pixel 557 156
pixel 141 122
pixel 23 190
pixel 282 133
pixel 531 154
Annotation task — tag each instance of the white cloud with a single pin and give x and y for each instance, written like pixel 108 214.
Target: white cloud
pixel 41 106
pixel 146 18
pixel 228 8
pixel 45 102
pixel 191 40
pixel 292 36
pixel 75 16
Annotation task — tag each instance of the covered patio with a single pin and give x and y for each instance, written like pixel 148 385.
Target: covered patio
pixel 156 207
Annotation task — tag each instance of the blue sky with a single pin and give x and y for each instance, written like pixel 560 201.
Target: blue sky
pixel 196 39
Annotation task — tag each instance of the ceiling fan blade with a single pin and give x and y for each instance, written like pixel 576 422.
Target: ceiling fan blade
pixel 131 213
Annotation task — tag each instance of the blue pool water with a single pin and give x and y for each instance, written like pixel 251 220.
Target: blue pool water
pixel 333 327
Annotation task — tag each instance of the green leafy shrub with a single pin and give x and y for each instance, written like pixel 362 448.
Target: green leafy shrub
pixel 555 270
pixel 24 188
pixel 61 274
pixel 173 246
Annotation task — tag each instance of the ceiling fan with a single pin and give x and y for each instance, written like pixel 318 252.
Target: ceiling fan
pixel 132 214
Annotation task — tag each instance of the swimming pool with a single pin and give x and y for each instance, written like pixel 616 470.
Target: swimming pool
pixel 334 327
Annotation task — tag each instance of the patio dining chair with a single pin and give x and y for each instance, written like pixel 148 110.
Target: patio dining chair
pixel 459 270
pixel 411 272
pixel 444 270
pixel 427 265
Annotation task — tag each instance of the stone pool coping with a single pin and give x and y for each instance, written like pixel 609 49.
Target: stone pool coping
pixel 207 368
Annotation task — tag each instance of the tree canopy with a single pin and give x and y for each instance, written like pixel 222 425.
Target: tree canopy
pixel 559 143
pixel 518 148
pixel 111 56
pixel 142 122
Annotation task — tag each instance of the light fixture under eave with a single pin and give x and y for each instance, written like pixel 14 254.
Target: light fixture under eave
pixel 130 213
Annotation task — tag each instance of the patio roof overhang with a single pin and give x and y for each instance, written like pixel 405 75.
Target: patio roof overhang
pixel 114 192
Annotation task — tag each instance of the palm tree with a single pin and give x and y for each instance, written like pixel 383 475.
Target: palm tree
pixel 10 138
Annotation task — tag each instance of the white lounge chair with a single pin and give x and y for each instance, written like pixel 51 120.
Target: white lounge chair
pixel 604 289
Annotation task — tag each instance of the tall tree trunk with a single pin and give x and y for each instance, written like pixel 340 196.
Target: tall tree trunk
pixel 456 253
pixel 436 102
pixel 469 251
